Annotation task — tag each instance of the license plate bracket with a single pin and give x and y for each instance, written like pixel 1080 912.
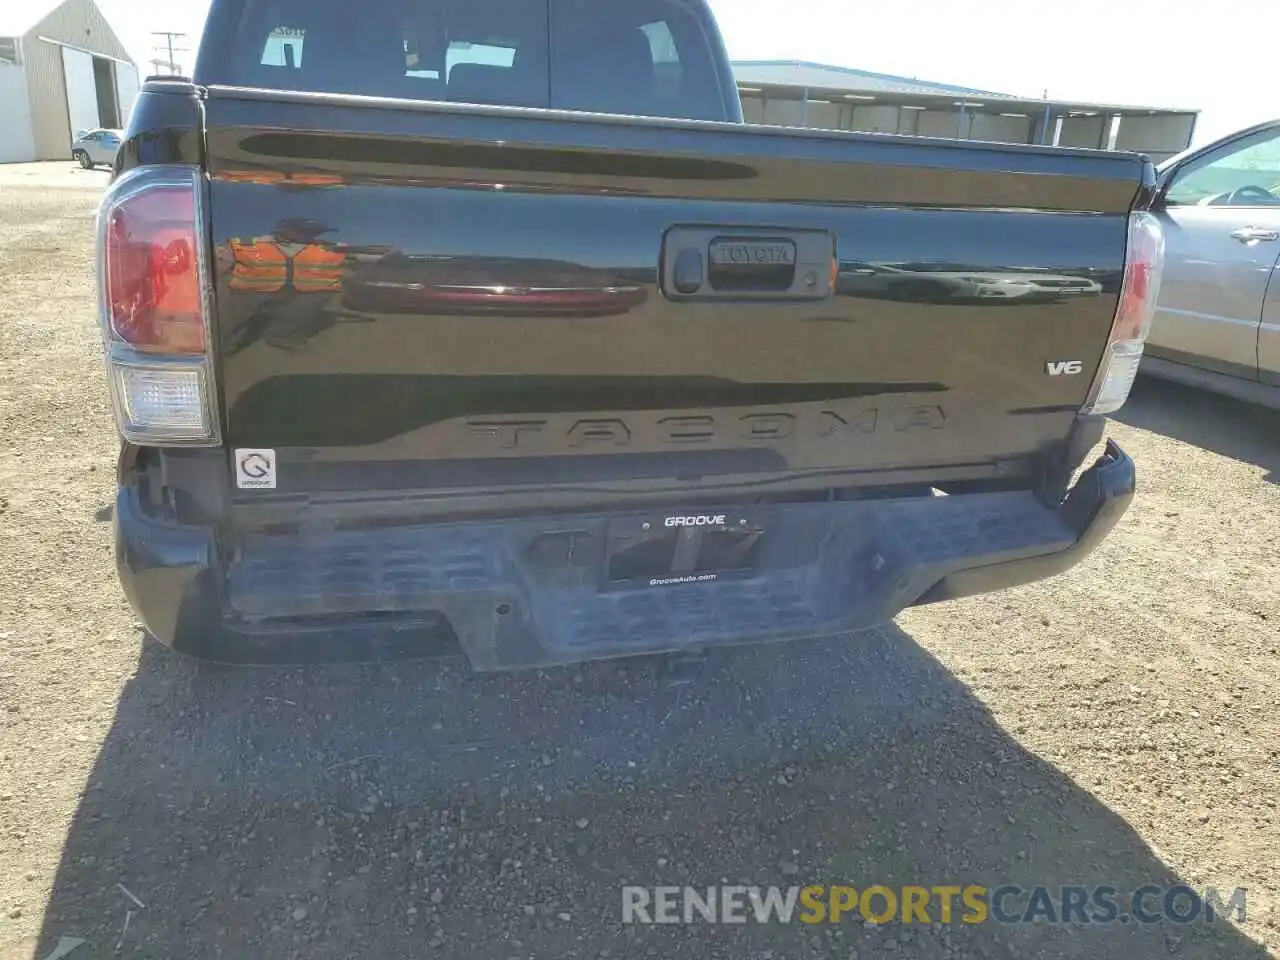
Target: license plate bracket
pixel 690 546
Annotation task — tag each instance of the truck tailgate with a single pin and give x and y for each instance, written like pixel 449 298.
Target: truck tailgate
pixel 481 302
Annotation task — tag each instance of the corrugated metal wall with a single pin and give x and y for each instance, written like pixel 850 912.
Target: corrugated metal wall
pixel 78 23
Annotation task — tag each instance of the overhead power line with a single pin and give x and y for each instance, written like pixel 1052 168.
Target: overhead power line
pixel 166 46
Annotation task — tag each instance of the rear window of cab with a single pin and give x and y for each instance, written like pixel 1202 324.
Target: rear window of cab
pixel 659 58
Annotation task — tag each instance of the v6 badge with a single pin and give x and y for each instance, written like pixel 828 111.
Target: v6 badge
pixel 255 469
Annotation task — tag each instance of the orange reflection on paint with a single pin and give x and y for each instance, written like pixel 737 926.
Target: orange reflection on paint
pixel 262 266
pixel 252 176
pixel 281 178
pixel 316 269
pixel 314 179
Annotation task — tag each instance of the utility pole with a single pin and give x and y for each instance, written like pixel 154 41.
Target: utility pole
pixel 163 43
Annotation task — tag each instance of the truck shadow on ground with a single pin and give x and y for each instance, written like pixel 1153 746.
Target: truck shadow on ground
pixel 420 809
pixel 1232 428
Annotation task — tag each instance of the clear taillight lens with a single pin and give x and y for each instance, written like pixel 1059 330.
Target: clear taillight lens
pixel 1139 291
pixel 162 402
pixel 152 284
pixel 1119 370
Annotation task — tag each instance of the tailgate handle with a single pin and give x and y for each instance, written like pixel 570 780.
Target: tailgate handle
pixel 751 263
pixel 719 263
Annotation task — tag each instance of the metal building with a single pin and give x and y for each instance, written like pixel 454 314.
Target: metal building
pixel 796 93
pixel 62 70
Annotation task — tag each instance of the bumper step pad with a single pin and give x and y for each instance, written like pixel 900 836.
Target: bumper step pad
pixel 530 592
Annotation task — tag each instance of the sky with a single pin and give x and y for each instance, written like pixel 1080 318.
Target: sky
pixel 1216 56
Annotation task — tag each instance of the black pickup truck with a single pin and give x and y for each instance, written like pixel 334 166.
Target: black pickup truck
pixel 489 325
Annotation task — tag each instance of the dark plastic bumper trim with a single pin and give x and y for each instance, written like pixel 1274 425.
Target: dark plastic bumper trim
pixel 842 566
pixel 1092 508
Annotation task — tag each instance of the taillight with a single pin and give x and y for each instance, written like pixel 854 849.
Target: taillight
pixel 1139 291
pixel 152 290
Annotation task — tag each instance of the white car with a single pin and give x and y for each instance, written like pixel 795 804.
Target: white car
pixel 93 147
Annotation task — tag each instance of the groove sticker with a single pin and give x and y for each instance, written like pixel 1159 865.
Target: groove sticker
pixel 255 469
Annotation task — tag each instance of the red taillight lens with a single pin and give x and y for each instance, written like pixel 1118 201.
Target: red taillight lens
pixel 1139 291
pixel 153 294
pixel 152 281
pixel 1144 262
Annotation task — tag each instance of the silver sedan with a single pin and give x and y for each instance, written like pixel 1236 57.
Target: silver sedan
pixel 92 148
pixel 1217 325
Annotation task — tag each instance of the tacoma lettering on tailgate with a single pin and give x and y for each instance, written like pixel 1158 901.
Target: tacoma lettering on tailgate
pixel 704 428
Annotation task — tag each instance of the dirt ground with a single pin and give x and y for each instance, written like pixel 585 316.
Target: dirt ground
pixel 1118 725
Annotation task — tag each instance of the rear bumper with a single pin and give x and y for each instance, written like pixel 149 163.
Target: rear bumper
pixel 526 592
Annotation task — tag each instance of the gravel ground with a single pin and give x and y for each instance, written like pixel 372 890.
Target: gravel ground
pixel 1116 725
